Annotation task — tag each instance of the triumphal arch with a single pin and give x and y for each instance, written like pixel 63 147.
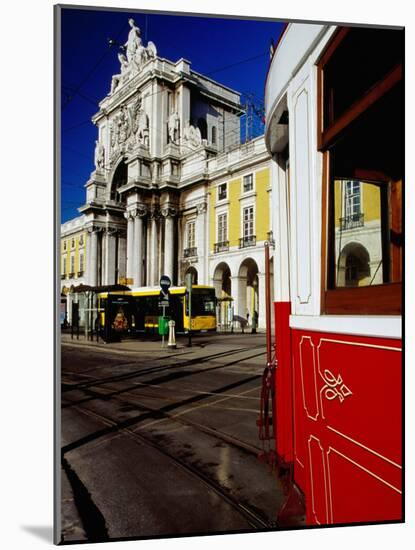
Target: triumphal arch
pixel 158 127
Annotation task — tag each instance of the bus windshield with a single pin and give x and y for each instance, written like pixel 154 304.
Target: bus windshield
pixel 203 302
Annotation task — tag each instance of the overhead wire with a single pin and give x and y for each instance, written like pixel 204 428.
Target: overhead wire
pixel 91 71
pixel 162 91
pixel 81 95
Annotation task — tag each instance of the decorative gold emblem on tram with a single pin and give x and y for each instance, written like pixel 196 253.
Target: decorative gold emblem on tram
pixel 335 387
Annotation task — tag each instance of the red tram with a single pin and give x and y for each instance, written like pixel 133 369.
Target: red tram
pixel 334 126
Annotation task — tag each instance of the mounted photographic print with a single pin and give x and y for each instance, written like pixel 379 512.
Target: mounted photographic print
pixel 229 268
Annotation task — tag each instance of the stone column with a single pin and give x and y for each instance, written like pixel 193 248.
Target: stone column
pixel 93 256
pixel 156 118
pixel 168 214
pixel 183 107
pixel 261 300
pixel 130 244
pixel 110 259
pixel 138 245
pixel 87 259
pixel 148 252
pixel 153 249
pixel 122 256
pixel 217 284
pixel 201 242
pixel 239 295
pixel 69 299
pixel 180 247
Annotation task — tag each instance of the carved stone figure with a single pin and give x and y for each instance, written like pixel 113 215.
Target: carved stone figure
pixel 192 136
pixel 99 155
pixel 174 127
pixel 123 125
pixel 142 134
pixel 151 50
pixel 124 74
pixel 201 208
pixel 134 41
pixel 120 131
pixel 140 57
pixel 113 135
pixel 136 55
pixel 168 211
pixel 142 210
pixel 139 123
pixel 142 54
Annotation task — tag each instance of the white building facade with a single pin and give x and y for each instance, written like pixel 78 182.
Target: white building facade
pixel 166 136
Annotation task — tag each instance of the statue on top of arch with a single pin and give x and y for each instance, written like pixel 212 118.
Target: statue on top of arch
pixel 136 55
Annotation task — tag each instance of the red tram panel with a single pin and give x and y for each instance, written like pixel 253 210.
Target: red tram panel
pixel 346 393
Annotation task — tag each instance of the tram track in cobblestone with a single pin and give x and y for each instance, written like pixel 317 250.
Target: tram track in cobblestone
pixel 160 368
pixel 93 395
pixel 116 392
pixel 255 520
pixel 130 399
pixel 150 415
pixel 178 417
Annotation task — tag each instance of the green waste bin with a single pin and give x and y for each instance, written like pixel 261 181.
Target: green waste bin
pixel 163 325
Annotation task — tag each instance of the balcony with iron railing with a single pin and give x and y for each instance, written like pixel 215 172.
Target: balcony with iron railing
pixel 190 252
pixel 221 247
pixel 352 221
pixel 249 240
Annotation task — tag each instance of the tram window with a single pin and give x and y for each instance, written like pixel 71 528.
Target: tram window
pixel 359 225
pixel 362 58
pixel 363 144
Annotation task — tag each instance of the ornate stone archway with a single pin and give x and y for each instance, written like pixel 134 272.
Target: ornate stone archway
pixel 119 178
pixel 193 272
pixel 222 282
pixel 247 284
pixel 354 265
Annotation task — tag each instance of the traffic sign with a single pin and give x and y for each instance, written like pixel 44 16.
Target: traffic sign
pixel 165 283
pixel 164 298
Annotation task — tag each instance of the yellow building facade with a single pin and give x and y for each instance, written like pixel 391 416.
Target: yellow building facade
pixel 73 257
pixel 239 210
pixel 73 253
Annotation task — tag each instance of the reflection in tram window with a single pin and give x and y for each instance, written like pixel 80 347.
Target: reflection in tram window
pixel 359 234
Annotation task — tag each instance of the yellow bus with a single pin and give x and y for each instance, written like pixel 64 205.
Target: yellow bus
pixel 137 310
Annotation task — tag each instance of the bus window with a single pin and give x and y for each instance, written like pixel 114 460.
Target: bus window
pixel 203 302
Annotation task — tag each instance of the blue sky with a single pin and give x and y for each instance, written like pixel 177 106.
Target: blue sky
pixel 234 52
